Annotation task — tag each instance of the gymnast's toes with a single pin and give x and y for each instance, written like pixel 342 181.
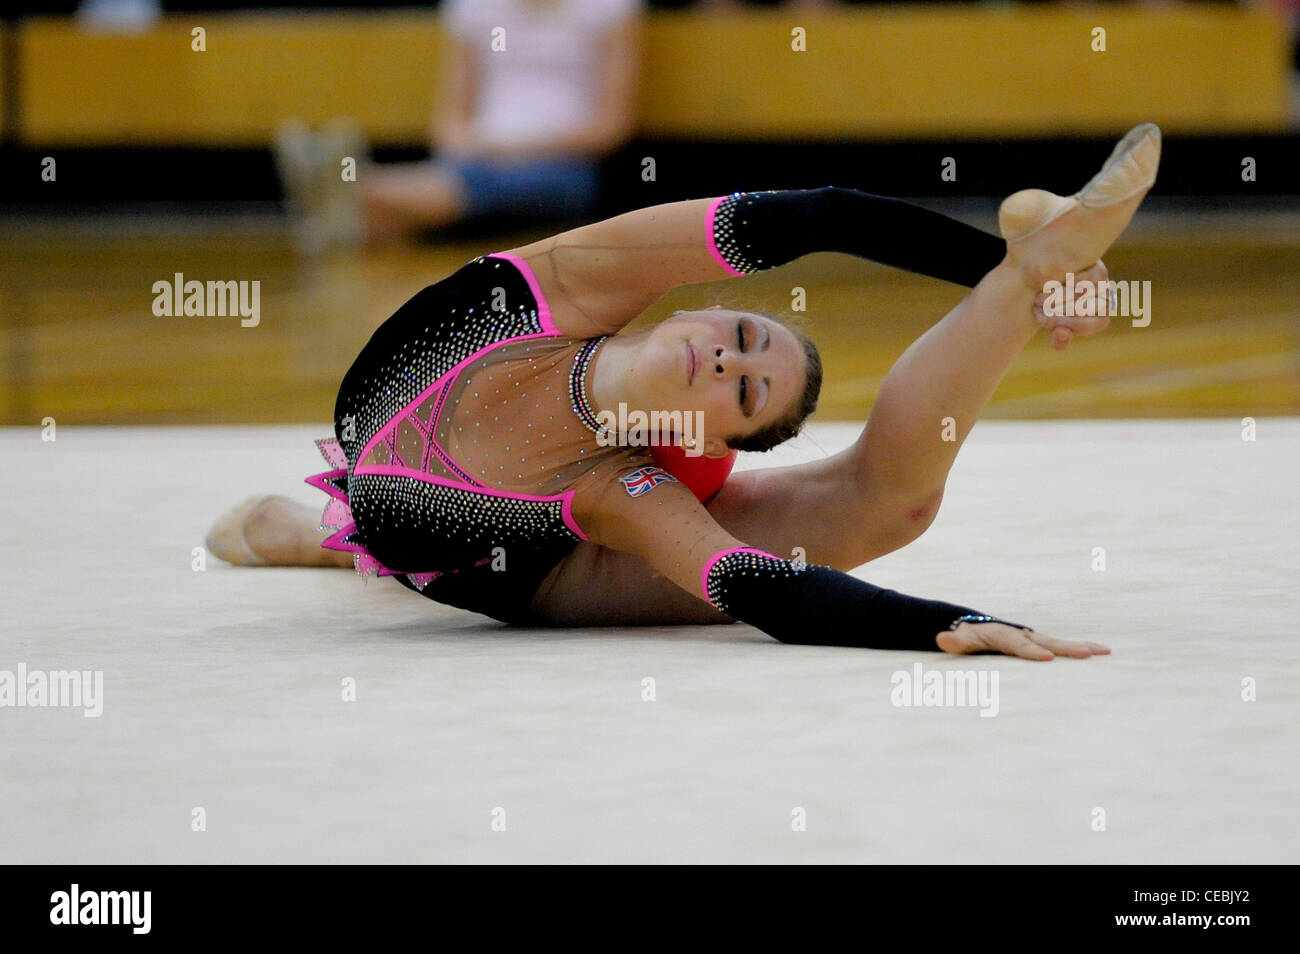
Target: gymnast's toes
pixel 276 531
pixel 228 538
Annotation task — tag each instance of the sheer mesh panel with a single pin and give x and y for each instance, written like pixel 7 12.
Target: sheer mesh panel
pixel 508 421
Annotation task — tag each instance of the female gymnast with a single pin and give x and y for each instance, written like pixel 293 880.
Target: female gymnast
pixel 468 459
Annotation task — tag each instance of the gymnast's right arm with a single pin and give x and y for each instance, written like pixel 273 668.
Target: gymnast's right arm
pixel 806 604
pixel 599 277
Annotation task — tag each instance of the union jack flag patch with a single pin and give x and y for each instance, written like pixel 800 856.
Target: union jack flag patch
pixel 645 480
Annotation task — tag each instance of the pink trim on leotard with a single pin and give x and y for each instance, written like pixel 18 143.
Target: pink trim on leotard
pixel 708 565
pixel 333 452
pixel 709 234
pixel 338 517
pixel 321 482
pixel 543 308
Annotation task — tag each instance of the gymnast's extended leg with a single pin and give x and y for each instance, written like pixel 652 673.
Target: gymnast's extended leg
pixel 876 496
pixel 884 490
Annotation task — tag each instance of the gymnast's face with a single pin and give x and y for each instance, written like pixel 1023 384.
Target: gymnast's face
pixel 743 371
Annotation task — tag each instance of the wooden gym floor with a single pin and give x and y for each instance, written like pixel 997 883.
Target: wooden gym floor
pixel 80 343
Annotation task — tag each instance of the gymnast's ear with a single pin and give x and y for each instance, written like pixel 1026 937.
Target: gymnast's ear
pixel 715 448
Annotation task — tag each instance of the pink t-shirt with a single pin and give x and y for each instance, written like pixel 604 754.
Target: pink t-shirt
pixel 538 62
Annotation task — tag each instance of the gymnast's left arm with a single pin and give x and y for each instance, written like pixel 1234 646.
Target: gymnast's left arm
pixel 795 603
pixel 599 277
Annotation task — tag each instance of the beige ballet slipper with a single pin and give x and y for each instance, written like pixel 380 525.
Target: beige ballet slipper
pixel 226 539
pixel 1048 235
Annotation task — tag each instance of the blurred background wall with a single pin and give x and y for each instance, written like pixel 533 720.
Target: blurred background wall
pixel 725 101
pixel 165 166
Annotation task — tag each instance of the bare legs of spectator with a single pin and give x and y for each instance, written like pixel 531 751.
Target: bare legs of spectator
pixel 400 200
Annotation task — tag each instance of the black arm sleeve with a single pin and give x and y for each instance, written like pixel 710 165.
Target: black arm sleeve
pixel 760 230
pixel 817 606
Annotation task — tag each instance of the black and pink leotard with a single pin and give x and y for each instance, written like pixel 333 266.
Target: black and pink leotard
pixel 460 443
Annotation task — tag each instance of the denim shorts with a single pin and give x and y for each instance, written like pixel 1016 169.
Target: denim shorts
pixel 549 187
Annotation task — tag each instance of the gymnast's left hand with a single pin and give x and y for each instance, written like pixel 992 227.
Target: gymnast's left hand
pixel 1013 641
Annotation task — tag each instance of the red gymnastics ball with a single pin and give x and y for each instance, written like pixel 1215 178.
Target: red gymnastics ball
pixel 703 476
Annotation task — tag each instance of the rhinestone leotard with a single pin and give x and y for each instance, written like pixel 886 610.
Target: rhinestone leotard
pixel 467 434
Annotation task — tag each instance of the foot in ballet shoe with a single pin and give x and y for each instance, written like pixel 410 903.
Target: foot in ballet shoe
pixel 1048 235
pixel 226 539
pixel 272 531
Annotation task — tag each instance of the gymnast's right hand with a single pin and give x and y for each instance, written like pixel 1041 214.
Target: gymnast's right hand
pixel 1064 327
pixel 1013 641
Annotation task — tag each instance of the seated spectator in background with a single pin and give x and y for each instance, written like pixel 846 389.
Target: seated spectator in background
pixel 524 117
pixel 126 16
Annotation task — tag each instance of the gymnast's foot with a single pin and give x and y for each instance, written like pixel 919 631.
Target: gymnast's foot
pixel 1048 235
pixel 272 531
